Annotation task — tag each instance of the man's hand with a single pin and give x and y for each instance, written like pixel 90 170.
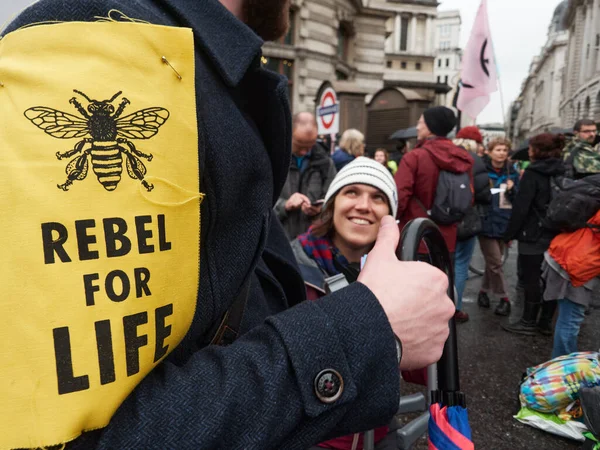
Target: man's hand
pixel 311 210
pixel 296 201
pixel 509 185
pixel 414 297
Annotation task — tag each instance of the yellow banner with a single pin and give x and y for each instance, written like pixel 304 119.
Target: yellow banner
pixel 100 205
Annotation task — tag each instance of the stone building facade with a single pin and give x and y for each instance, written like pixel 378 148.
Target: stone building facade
pixel 330 40
pixel 581 84
pixel 448 53
pixel 538 107
pixel 360 47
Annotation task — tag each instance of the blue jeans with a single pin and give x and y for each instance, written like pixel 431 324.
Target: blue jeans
pixel 570 316
pixel 462 259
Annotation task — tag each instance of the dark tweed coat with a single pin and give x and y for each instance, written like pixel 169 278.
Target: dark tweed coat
pixel 259 392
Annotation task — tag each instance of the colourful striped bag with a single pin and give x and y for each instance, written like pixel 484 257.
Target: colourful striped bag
pixel 554 385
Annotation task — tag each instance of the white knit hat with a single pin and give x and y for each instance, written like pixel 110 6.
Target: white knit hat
pixel 366 171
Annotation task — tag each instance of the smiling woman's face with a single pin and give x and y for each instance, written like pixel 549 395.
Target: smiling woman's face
pixel 357 214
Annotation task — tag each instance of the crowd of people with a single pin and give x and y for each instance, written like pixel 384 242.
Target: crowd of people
pixel 256 345
pixel 509 203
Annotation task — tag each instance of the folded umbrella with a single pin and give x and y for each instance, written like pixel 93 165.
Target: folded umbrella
pixel 448 423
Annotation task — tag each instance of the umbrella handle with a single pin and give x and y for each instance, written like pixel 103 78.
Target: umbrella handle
pixel 413 233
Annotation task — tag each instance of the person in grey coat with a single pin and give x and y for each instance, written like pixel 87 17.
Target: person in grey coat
pixel 311 173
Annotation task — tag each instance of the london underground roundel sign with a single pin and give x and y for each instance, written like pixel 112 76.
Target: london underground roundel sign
pixel 328 112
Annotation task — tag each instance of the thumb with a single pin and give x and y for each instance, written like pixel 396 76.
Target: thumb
pixel 387 237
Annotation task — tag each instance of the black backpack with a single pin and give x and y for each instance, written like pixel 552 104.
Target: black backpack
pixel 573 203
pixel 453 198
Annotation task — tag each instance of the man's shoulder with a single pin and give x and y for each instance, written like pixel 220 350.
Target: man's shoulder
pixel 77 11
pixel 319 156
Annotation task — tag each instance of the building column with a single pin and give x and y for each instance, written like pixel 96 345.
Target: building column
pixel 413 34
pixel 583 23
pixel 397 33
pixel 428 38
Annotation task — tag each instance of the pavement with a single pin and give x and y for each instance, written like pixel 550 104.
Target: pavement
pixel 492 362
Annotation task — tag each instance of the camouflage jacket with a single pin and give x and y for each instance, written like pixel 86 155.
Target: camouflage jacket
pixel 581 159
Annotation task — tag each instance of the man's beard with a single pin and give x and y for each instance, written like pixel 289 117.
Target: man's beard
pixel 269 19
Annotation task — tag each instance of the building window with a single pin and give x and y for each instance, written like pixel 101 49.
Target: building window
pixel 446 79
pixel 283 67
pixel 440 62
pixel 439 79
pixel 586 108
pixel 404 34
pixel 290 37
pixel 388 64
pixel 343 43
pixel 403 64
pixel 418 66
pixel 598 40
pixel 340 76
pixel 447 62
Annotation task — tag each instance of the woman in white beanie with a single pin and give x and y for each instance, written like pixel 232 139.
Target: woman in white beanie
pixel 360 195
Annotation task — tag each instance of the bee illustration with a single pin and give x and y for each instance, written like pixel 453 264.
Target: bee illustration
pixel 104 138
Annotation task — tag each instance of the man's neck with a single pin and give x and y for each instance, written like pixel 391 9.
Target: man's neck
pixel 497 164
pixel 234 7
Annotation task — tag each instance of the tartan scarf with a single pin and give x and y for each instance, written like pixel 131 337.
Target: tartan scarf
pixel 322 251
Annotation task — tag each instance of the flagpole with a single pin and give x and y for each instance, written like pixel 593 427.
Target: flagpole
pixel 499 83
pixel 502 105
pixel 455 104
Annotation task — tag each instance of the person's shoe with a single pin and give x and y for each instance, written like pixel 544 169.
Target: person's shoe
pixel 483 300
pixel 544 328
pixel 503 308
pixel 461 317
pixel 521 327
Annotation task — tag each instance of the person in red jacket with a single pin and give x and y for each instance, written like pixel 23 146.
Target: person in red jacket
pixel 417 176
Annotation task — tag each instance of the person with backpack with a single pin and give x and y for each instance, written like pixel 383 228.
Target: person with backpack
pixel 581 157
pixel 571 272
pixel 434 179
pixel 527 225
pixel 361 194
pixel 469 138
pixel 503 181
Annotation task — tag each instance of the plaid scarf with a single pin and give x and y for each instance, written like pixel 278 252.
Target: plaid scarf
pixel 322 251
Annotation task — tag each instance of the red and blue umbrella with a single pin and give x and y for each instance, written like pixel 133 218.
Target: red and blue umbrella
pixel 449 428
pixel 448 422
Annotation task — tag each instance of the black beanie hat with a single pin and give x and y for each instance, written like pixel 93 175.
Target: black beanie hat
pixel 440 120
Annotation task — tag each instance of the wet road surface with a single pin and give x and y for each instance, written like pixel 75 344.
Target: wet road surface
pixel 492 362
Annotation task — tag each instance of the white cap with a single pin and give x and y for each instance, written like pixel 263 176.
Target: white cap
pixel 366 171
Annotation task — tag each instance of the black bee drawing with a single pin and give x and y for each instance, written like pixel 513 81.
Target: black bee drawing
pixel 105 138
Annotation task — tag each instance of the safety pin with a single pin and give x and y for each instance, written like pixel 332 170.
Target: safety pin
pixel 166 61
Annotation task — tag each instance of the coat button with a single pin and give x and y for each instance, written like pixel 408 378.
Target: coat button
pixel 329 386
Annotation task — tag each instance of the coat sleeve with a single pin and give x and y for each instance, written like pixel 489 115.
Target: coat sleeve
pixel 522 206
pixel 331 173
pixel 279 208
pixel 405 180
pixel 259 393
pixel 483 194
